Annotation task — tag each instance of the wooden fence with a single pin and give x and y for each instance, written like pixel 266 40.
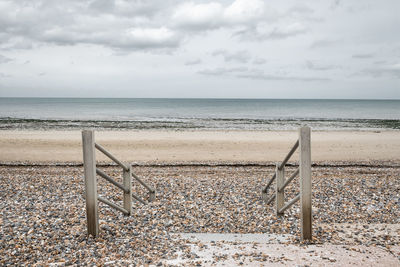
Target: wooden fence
pixel 304 169
pixel 90 171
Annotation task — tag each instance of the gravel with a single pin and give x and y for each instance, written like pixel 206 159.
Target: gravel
pixel 43 218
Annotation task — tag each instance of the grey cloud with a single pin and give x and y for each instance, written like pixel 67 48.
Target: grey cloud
pixel 281 78
pixel 241 56
pixel 268 32
pixel 214 15
pixel 322 43
pixel 4 59
pixel 102 5
pixel 259 61
pixel 300 9
pixel 335 4
pixel 130 39
pixel 303 12
pixel 257 74
pixel 362 56
pixel 318 66
pixel 383 71
pixel 74 22
pixel 128 8
pixel 193 62
pixel 380 62
pixel 221 71
pixel 4 75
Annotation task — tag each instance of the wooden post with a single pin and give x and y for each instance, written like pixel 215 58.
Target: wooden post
pixel 305 182
pixel 89 165
pixel 128 184
pixel 280 196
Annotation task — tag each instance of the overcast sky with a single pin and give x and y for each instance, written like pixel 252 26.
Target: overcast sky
pixel 224 49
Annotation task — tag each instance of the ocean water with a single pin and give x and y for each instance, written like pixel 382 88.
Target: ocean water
pixel 207 114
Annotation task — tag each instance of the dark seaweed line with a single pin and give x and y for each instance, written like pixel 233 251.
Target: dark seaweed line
pixel 191 123
pixel 202 164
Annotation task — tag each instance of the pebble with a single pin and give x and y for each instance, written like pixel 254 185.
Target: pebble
pixel 44 220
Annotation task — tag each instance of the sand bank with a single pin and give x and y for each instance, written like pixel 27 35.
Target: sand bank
pixel 183 146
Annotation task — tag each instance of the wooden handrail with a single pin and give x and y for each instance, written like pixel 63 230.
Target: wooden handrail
pixel 269 183
pixel 111 180
pixel 289 204
pixel 115 206
pixel 289 180
pixel 108 154
pixel 89 147
pixel 272 198
pixel 151 190
pixel 304 170
pixel 138 199
pixel 295 146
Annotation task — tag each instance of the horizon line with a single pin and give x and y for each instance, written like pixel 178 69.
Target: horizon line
pixel 225 98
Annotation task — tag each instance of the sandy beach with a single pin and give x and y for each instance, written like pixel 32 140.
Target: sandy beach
pixel 199 146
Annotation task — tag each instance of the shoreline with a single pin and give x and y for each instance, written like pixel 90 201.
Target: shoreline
pixel 159 146
pixel 201 124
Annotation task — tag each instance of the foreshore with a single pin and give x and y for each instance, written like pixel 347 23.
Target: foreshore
pixel 355 218
pixel 214 200
pixel 149 146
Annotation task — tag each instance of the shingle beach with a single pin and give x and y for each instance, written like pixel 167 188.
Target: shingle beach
pixel 43 220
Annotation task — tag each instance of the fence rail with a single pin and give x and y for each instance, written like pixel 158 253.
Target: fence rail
pixel 304 171
pixel 89 163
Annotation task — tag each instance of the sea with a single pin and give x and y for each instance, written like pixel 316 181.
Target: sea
pixel 197 114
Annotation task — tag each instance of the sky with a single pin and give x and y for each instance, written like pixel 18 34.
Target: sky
pixel 200 49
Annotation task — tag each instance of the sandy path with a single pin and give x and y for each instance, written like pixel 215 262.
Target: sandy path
pixel 171 146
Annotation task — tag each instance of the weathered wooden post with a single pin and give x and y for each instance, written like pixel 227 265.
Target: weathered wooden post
pixel 128 184
pixel 280 195
pixel 89 165
pixel 305 182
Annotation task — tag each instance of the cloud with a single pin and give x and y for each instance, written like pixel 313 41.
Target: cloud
pixel 4 59
pixel 389 70
pixel 4 75
pixel 136 25
pixel 257 74
pixel 259 61
pixel 193 62
pixel 79 22
pixel 151 37
pixel 198 16
pixel 244 11
pixel 318 66
pixel 362 56
pixel 265 31
pixel 269 77
pixel 241 56
pixel 300 9
pixel 128 8
pixel 213 15
pixel 222 71
pixel 322 43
